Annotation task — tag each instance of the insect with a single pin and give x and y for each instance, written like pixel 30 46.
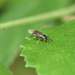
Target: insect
pixel 39 34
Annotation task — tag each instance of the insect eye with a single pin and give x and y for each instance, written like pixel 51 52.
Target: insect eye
pixel 44 35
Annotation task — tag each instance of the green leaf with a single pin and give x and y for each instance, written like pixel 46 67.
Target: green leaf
pixel 4 70
pixel 11 39
pixel 25 8
pixel 2 2
pixel 56 57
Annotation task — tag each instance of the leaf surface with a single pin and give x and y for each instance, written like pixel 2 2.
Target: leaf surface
pixel 56 57
pixel 4 70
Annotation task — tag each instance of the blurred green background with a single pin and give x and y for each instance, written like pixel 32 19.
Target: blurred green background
pixel 10 39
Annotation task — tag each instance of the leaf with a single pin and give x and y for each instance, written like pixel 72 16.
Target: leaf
pixel 10 39
pixel 2 2
pixel 4 70
pixel 26 8
pixel 52 58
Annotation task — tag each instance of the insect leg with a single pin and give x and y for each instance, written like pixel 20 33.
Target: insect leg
pixel 38 41
pixel 47 40
pixel 50 39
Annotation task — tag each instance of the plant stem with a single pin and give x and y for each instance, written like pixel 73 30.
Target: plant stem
pixel 37 18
